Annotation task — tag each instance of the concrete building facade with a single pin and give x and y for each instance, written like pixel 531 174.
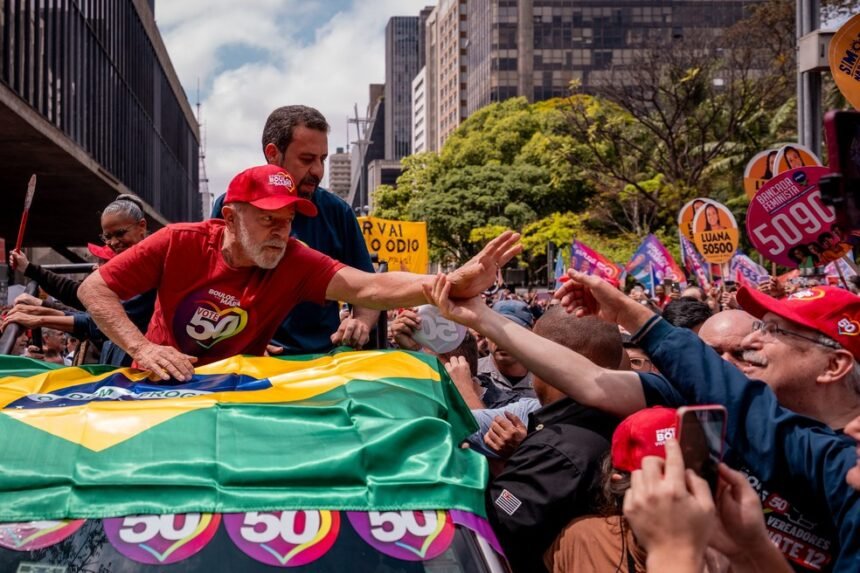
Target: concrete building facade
pixel 90 103
pixel 340 173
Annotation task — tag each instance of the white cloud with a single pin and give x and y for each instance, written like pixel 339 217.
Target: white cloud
pixel 330 69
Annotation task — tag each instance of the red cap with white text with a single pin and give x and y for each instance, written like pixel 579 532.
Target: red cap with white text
pixel 832 311
pixel 642 434
pixel 268 187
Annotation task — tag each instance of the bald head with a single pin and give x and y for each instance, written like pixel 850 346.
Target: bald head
pixel 725 331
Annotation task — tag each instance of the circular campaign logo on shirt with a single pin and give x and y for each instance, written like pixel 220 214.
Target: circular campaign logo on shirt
pixel 32 535
pixel 283 538
pixel 405 535
pixel 161 539
pixel 206 317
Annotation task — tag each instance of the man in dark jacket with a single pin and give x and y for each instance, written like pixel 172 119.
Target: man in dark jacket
pixel 550 478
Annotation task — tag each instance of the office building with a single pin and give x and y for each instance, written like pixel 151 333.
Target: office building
pixel 535 48
pixel 419 112
pixel 401 65
pixel 339 173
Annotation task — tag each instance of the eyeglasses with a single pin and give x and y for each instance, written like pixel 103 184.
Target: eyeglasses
pixel 771 329
pixel 118 234
pixel 640 362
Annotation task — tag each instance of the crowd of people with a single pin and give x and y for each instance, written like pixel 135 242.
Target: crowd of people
pixel 576 392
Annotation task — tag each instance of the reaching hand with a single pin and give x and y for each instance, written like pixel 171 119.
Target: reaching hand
pixel 20 317
pixel 505 435
pixel 18 261
pixel 37 310
pixel 479 273
pixel 273 350
pixel 165 362
pixel 351 332
pixel 29 299
pixel 669 508
pixel 587 294
pixel 403 328
pixel 467 312
pixel 741 527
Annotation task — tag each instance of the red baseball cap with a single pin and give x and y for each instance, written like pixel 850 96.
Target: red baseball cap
pixel 268 187
pixel 101 251
pixel 642 434
pixel 832 311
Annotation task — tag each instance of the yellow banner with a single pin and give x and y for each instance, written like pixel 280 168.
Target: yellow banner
pixel 402 244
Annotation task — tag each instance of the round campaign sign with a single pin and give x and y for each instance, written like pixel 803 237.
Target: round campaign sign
pixel 686 215
pixel 32 535
pixel 405 535
pixel 788 223
pixel 844 58
pixel 760 169
pixel 283 538
pixel 793 156
pixel 715 232
pixel 161 539
pixel 437 332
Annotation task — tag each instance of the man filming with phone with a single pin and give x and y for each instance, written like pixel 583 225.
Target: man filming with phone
pixel 785 433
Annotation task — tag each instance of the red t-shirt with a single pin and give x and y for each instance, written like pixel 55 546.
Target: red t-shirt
pixel 207 308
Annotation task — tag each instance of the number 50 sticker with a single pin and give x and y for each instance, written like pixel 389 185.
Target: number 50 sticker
pixel 788 223
pixel 284 538
pixel 406 535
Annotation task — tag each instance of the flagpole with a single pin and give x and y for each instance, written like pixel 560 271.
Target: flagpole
pixel 840 273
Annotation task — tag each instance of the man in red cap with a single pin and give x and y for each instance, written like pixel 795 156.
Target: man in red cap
pixel 224 286
pixel 785 433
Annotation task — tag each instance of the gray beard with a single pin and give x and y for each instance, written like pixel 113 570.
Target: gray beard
pixel 256 252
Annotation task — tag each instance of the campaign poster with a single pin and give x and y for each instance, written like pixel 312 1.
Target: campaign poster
pixel 652 263
pixel 759 170
pixel 789 224
pixel 748 269
pixel 586 260
pixel 687 214
pixel 844 58
pixel 715 233
pixel 794 155
pixel 694 263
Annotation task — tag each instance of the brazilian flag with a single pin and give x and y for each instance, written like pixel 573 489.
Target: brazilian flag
pixel 373 430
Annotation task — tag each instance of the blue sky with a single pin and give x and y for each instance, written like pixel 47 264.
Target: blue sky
pixel 251 56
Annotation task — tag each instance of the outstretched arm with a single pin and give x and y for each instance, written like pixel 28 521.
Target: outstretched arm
pixel 397 289
pixel 618 393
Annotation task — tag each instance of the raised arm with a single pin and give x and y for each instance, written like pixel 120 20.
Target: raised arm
pixel 397 289
pixel 105 306
pixel 616 392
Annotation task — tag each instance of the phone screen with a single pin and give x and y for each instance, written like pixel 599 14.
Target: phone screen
pixel 701 437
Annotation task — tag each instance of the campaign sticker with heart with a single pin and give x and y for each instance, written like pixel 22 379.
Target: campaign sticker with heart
pixel 283 538
pixel 32 535
pixel 161 539
pixel 405 535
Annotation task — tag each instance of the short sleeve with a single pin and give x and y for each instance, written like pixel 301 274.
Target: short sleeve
pixel 320 270
pixel 138 269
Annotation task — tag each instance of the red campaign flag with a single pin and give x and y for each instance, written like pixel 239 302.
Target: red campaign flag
pixel 28 200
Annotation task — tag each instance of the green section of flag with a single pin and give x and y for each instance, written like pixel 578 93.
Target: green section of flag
pixel 367 445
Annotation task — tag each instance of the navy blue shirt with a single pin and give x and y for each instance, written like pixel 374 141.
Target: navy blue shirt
pixel 795 463
pixel 334 232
